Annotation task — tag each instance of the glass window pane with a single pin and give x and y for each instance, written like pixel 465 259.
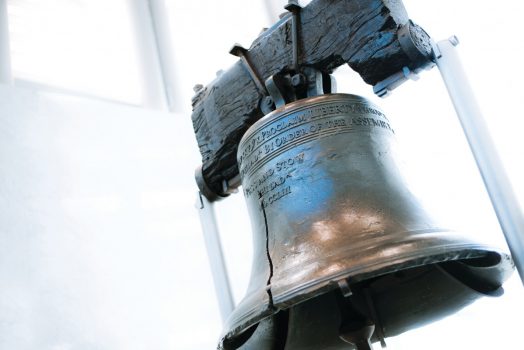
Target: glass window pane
pixel 86 46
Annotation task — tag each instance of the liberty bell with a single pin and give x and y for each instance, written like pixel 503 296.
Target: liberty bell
pixel 344 254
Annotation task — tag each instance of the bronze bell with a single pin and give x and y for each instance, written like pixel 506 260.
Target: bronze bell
pixel 344 254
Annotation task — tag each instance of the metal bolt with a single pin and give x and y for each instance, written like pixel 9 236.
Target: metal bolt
pixel 239 51
pixel 198 87
pixel 298 80
pixel 268 101
pixel 267 104
pixel 454 40
pixel 292 6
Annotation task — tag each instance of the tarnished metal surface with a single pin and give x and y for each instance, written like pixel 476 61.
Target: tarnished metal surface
pixel 328 202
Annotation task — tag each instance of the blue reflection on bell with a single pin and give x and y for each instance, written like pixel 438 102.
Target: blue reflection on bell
pixel 343 251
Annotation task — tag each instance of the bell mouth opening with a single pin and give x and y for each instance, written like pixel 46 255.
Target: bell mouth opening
pixel 239 340
pixel 329 205
pixel 480 267
pixel 403 298
pixel 270 333
pixel 394 302
pixel 482 274
pixel 489 260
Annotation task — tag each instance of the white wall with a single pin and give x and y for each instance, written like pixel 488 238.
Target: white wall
pixel 100 245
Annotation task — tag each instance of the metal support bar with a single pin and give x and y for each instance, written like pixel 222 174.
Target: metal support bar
pixel 5 51
pixel 488 161
pixel 216 258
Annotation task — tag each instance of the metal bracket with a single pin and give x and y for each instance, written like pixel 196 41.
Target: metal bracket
pixel 241 52
pixel 280 90
pixel 284 88
pixel 319 83
pixel 385 87
pixel 420 56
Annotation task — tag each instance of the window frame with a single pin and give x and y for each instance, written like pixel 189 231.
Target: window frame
pixel 155 58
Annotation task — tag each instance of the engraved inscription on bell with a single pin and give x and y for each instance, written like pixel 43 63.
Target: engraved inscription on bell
pixel 271 141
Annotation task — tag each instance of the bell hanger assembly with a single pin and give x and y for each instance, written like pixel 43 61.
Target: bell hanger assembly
pixel 344 254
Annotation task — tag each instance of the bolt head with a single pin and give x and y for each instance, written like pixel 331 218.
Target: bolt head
pixel 292 6
pixel 198 87
pixel 298 79
pixel 454 40
pixel 237 50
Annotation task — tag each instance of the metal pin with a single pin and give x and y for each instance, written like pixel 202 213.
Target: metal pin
pixel 345 289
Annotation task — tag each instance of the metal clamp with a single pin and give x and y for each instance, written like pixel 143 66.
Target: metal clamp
pixel 412 40
pixel 386 86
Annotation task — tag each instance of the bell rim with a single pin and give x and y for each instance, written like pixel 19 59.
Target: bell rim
pixel 449 245
pixel 463 251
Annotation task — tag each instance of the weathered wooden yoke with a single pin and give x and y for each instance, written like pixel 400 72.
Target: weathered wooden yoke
pixel 375 37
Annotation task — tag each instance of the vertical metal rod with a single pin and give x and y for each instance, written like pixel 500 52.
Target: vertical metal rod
pixel 5 51
pixel 488 161
pixel 296 65
pixel 216 258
